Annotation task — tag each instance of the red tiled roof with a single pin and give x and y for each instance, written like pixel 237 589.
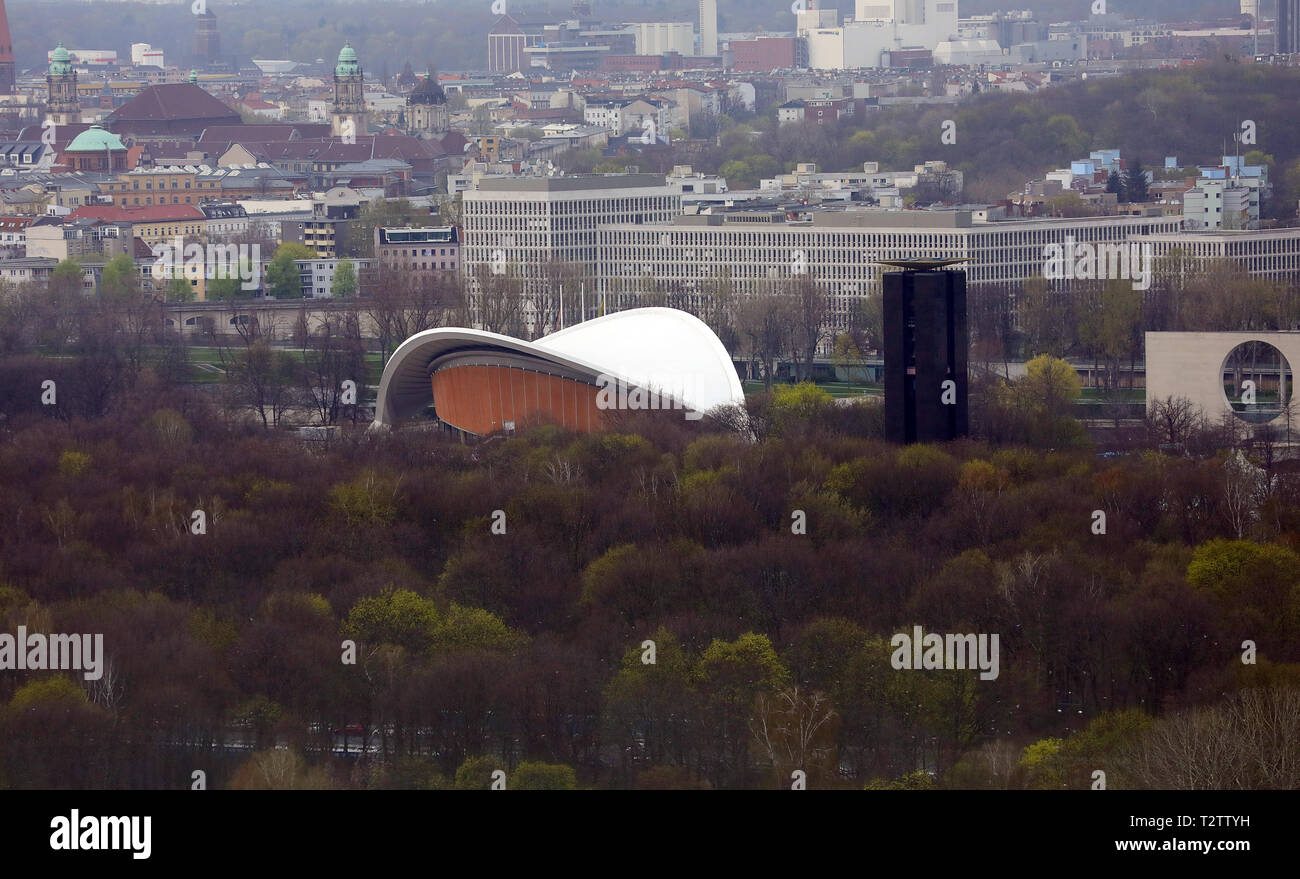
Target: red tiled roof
pixel 173 100
pixel 146 214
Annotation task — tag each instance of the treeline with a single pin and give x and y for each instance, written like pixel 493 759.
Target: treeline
pixel 658 606
pixel 1004 139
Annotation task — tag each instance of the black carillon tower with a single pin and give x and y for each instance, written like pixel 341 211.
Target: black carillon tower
pixel 925 351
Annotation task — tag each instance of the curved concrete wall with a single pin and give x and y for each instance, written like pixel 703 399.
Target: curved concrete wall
pixel 1191 365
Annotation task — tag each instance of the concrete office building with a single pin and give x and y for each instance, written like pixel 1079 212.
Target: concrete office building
pixel 755 250
pixel 522 225
pixel 1271 254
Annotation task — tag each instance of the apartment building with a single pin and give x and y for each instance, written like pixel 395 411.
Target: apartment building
pixel 1220 204
pixel 427 249
pixel 173 184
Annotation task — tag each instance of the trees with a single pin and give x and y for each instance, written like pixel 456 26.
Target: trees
pixel 283 278
pixel 1043 318
pixel 335 353
pixel 1136 187
pixel 345 279
pixel 764 323
pixel 402 302
pixel 223 289
pixel 1115 186
pixel 811 310
pixel 180 290
pixel 263 379
pixel 730 676
pixel 796 731
pixel 497 300
pixel 380 212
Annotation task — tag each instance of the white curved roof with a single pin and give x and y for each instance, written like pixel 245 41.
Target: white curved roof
pixel 663 349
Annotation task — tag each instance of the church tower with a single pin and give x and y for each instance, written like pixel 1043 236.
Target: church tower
pixel 61 104
pixel 349 116
pixel 426 108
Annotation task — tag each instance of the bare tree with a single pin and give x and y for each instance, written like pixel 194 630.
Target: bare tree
pixel 796 731
pixel 334 354
pixel 402 302
pixel 765 323
pixel 1172 419
pixel 1250 742
pixel 811 310
pixel 498 300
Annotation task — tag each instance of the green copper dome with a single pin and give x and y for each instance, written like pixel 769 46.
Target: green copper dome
pixel 194 76
pixel 95 139
pixel 60 61
pixel 347 65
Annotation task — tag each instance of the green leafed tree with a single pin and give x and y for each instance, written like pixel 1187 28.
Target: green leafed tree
pixel 283 279
pixel 345 279
pixel 397 616
pixel 542 776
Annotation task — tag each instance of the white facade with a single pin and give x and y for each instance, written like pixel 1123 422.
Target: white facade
pixel 607 114
pixel 1191 366
pixel 667 351
pixel 878 26
pixel 658 37
pixel 1221 204
pixel 708 27
pixel 1271 254
pixel 317 275
pixel 969 53
pixel 840 250
pixel 519 225
pixel 144 55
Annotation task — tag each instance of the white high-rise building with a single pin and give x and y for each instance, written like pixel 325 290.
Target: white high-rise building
pixel 708 27
pixel 521 226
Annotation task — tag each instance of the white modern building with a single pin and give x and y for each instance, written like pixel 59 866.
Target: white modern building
pixel 840 249
pixel 1221 204
pixel 145 55
pixel 659 37
pixel 1271 254
pixel 481 383
pixel 317 275
pixel 878 27
pixel 1203 368
pixel 522 225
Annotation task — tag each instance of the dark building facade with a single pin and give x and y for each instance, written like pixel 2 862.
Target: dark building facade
pixel 207 39
pixel 1288 26
pixel 925 355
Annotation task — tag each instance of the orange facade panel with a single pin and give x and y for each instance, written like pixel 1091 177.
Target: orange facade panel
pixel 481 399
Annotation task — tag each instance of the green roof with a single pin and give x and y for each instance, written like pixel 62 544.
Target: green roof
pixel 60 61
pixel 347 65
pixel 94 139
